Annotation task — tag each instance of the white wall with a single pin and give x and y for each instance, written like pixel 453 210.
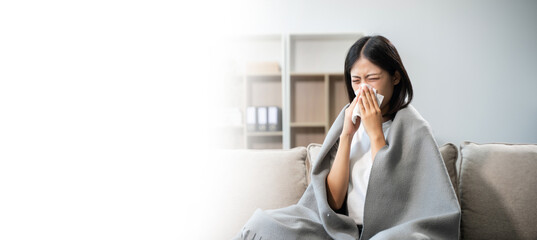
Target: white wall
pixel 472 63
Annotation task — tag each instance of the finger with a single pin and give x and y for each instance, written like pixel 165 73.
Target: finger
pixel 368 99
pixel 374 99
pixel 361 105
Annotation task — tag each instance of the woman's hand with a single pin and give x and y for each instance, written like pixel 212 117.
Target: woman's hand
pixel 349 128
pixel 371 116
pixel 370 112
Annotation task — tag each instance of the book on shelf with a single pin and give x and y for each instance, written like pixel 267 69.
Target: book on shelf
pixel 263 118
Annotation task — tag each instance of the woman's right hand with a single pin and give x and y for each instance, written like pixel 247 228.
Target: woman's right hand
pixel 349 128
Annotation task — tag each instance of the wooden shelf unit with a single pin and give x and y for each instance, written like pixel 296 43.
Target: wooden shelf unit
pixel 309 88
pixel 316 99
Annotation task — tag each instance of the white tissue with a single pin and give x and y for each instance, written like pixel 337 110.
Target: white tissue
pixel 356 110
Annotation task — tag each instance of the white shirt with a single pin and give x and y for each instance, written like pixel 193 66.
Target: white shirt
pixel 360 168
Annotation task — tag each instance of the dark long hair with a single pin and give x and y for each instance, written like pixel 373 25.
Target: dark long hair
pixel 381 52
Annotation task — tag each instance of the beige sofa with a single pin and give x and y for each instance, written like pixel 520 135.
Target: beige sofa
pixel 496 185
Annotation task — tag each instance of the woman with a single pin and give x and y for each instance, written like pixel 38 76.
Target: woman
pixel 379 175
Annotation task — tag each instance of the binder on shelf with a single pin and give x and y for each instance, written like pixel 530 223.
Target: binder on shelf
pixel 262 118
pixel 274 118
pixel 251 119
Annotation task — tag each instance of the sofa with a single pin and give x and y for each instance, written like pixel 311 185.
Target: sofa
pixel 496 185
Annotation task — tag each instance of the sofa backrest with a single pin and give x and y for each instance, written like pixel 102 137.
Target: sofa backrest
pixel 250 179
pixel 498 191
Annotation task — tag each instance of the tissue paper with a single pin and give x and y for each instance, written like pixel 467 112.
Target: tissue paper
pixel 356 110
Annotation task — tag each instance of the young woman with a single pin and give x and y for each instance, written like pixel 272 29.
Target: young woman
pixel 371 62
pixel 377 176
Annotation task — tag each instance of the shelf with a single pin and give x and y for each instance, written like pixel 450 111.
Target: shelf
pixel 264 93
pixel 304 74
pixel 315 74
pixel 305 136
pixel 261 134
pixel 308 124
pixel 308 99
pixel 338 96
pixel 260 76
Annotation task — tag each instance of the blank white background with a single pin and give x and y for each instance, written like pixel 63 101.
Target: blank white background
pixel 104 111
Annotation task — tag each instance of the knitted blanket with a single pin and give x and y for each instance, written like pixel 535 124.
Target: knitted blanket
pixel 409 195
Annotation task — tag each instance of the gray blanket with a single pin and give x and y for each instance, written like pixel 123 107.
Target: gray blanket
pixel 409 195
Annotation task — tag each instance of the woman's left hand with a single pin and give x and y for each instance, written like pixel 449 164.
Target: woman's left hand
pixel 370 114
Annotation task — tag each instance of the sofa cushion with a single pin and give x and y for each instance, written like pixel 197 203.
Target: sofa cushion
pixel 249 179
pixel 450 153
pixel 497 191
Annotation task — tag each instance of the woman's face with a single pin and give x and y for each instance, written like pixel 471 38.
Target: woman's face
pixel 365 72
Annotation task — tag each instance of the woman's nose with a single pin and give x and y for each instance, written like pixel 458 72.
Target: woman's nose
pixel 363 85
